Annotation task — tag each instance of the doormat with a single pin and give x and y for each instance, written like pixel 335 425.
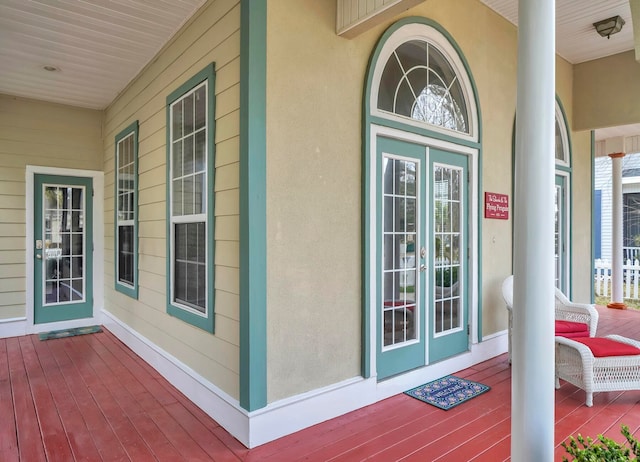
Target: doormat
pixel 69 332
pixel 448 391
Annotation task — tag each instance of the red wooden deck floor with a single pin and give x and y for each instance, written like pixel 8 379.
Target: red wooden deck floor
pixel 91 398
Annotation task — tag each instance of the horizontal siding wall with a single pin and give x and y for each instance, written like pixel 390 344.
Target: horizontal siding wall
pixel 213 35
pixel 43 134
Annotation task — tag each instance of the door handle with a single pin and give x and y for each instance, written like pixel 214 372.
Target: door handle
pixel 38 256
pixel 423 267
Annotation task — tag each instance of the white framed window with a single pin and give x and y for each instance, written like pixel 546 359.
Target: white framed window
pixel 190 120
pixel 126 211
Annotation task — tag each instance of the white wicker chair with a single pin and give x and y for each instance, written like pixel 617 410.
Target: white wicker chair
pixel 576 364
pixel 566 310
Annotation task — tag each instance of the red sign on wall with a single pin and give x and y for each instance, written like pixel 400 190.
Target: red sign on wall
pixel 496 206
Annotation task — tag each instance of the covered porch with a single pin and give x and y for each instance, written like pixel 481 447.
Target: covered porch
pixel 90 397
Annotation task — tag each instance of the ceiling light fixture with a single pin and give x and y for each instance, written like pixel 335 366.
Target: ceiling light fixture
pixel 610 26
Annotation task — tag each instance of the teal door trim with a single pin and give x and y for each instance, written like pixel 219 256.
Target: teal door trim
pixel 43 312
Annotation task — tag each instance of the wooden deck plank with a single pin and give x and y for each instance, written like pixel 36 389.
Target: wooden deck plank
pixel 411 437
pixel 54 438
pixel 110 405
pixel 106 395
pixel 468 449
pixel 104 437
pixel 8 436
pixel 27 426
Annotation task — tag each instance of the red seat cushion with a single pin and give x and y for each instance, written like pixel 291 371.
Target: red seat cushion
pixel 572 329
pixel 601 346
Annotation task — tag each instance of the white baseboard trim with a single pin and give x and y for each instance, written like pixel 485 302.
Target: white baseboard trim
pixel 295 413
pixel 16 327
pixel 13 327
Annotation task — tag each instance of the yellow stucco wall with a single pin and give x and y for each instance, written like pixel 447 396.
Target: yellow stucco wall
pixel 314 112
pixel 581 181
pixel 35 133
pixel 212 35
pixel 607 92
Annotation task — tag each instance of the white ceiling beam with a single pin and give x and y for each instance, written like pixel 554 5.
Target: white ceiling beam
pixel 353 17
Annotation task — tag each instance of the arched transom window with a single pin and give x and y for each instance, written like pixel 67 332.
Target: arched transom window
pixel 562 139
pixel 420 80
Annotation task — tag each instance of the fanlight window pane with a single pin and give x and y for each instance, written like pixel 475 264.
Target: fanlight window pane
pixel 560 155
pixel 419 83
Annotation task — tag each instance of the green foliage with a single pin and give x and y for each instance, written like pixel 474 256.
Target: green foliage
pixel 603 450
pixel 446 277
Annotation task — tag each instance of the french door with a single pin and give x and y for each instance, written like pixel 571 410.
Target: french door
pixel 560 234
pixel 63 278
pixel 421 308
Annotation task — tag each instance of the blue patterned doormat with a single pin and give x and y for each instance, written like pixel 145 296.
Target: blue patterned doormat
pixel 69 332
pixel 448 391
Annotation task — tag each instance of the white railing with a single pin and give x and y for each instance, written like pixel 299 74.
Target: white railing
pixel 630 279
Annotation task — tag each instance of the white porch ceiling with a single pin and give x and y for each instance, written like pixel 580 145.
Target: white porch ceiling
pixel 576 39
pixel 98 46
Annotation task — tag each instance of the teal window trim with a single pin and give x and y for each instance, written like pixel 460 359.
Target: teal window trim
pixel 206 320
pixel 129 133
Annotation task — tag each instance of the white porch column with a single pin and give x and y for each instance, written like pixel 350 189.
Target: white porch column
pixel 532 374
pixel 615 146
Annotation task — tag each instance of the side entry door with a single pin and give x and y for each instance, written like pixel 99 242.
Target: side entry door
pixel 63 248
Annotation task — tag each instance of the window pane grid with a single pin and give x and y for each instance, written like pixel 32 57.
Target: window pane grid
pixel 448 250
pixel 63 218
pixel 418 82
pixel 399 241
pixel 189 147
pixel 126 183
pixel 188 199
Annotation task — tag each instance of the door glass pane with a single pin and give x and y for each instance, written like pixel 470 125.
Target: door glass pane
pixel 399 227
pixel 447 251
pixel 64 237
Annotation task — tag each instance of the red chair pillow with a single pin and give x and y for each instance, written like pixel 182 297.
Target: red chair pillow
pixel 572 329
pixel 601 347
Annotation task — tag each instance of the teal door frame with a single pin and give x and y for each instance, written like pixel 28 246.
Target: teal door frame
pixel 428 346
pixel 68 310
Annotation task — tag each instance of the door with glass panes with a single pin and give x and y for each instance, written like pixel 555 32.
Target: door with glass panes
pixel 421 309
pixel 63 249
